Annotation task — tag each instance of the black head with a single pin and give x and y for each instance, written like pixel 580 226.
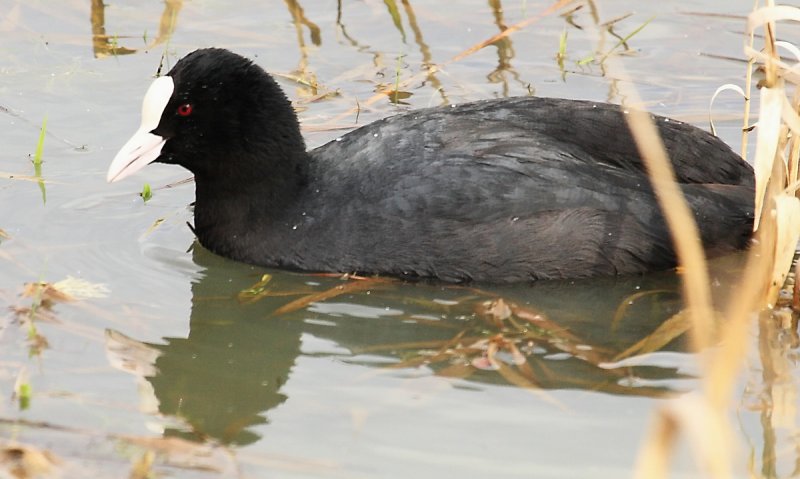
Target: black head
pixel 215 113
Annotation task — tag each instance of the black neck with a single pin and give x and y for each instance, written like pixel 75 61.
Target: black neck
pixel 238 208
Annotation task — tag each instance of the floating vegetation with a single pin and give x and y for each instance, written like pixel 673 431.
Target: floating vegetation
pixel 515 343
pixel 395 95
pixel 669 330
pixel 24 461
pixel 561 54
pixel 44 296
pixel 37 160
pixel 257 291
pixel 158 222
pixel 23 391
pixel 76 289
pixel 359 285
pixel 146 193
pixel 624 41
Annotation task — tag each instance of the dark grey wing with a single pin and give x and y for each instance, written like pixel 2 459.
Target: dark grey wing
pixel 697 156
pixel 517 191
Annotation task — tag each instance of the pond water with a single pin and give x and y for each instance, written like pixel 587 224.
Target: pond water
pixel 229 370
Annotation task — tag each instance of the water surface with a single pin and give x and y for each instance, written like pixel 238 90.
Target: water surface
pixel 380 378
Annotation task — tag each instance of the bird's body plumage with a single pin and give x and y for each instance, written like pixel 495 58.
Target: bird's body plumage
pixel 505 190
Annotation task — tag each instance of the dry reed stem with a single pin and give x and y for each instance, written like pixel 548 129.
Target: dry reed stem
pixel 748 83
pixel 701 418
pixel 679 218
pixel 512 29
pixel 720 379
pixel 767 136
pixel 675 416
pixel 656 450
pixel 776 175
pixel 706 429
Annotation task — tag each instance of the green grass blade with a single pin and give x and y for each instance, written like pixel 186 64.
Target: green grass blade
pixel 146 193
pixel 627 37
pixel 37 160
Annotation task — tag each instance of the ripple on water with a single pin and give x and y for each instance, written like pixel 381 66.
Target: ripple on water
pixel 354 310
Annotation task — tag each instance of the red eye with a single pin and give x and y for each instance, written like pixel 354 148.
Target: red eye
pixel 185 109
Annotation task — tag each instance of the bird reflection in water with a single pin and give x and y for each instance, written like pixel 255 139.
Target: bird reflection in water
pixel 223 379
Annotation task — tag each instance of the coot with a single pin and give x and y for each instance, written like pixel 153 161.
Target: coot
pixel 504 190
